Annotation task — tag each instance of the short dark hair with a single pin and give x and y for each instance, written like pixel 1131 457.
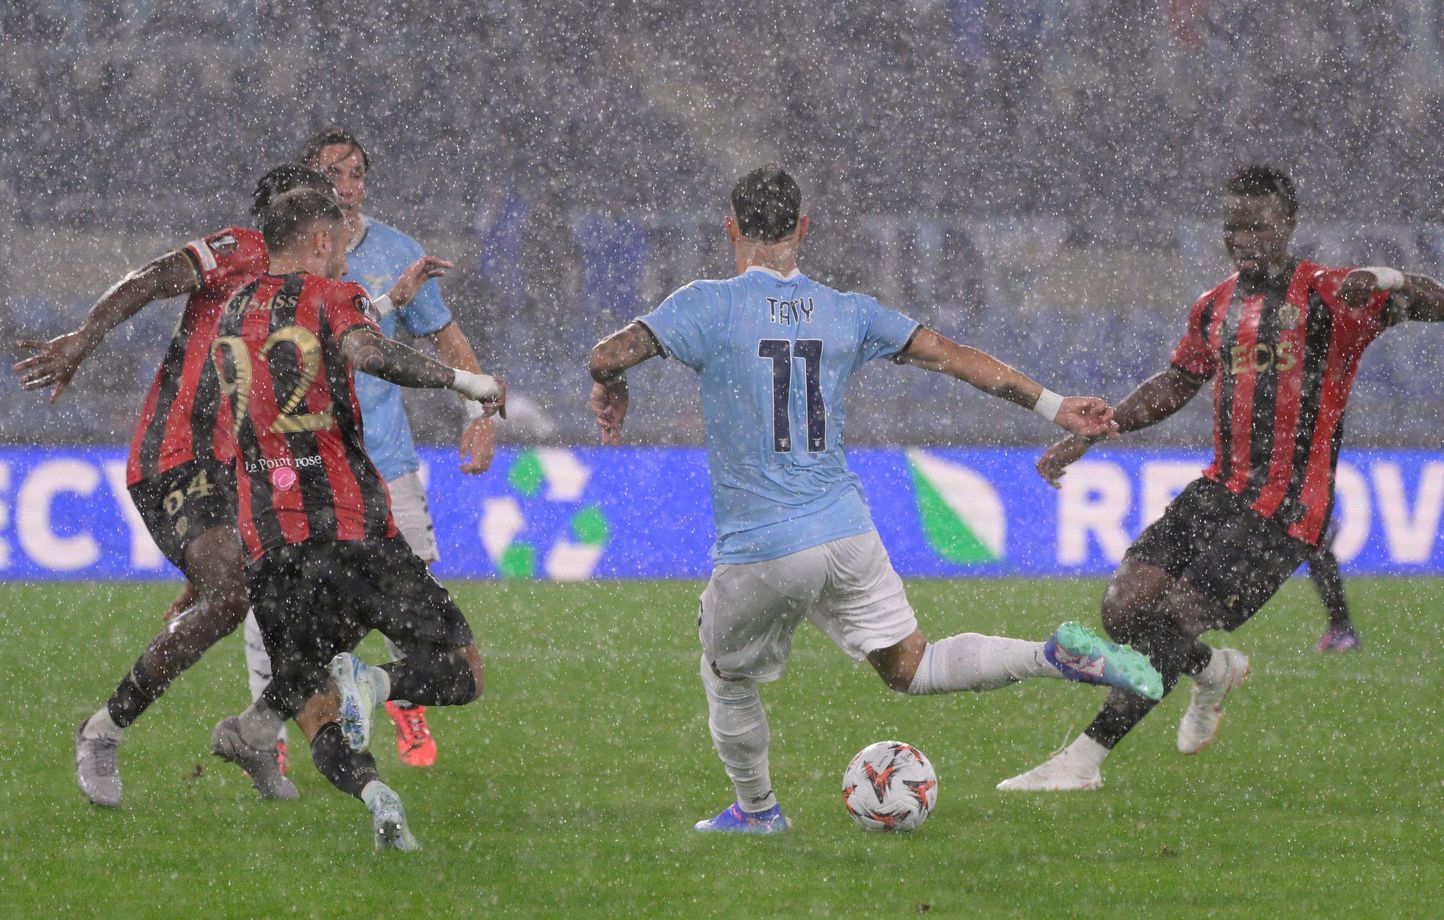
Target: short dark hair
pixel 327 137
pixel 290 213
pixel 285 178
pixel 768 203
pixel 1264 180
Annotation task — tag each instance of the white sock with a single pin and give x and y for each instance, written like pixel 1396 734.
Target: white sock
pixel 396 655
pixel 1215 673
pixel 371 789
pixel 1084 750
pixel 380 682
pixel 258 666
pixel 259 725
pixel 101 725
pixel 970 661
pixel 741 736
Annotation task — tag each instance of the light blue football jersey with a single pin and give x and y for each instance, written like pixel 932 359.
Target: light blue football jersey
pixel 375 264
pixel 774 355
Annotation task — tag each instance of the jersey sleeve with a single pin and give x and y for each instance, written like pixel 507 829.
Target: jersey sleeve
pixel 348 306
pixel 885 332
pixel 683 325
pixel 232 251
pixel 1193 355
pixel 427 313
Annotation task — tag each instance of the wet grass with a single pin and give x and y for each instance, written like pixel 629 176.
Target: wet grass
pixel 571 788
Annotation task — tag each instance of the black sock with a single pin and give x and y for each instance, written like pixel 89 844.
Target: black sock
pixel 346 769
pixel 440 679
pixel 1174 654
pixel 1118 716
pixel 1324 573
pixel 136 691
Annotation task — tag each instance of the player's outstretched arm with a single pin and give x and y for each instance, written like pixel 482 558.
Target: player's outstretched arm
pixel 1152 401
pixel 611 357
pixel 57 360
pixel 1086 416
pixel 1422 297
pixel 369 351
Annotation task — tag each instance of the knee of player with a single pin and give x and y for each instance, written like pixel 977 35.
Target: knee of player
pixel 224 594
pixel 1118 615
pixel 231 607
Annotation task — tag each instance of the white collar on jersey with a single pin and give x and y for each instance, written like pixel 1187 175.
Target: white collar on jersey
pixel 778 275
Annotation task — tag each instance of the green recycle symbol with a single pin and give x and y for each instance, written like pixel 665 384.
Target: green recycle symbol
pixel 587 527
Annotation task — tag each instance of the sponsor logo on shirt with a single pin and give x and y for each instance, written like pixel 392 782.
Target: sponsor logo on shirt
pixel 277 464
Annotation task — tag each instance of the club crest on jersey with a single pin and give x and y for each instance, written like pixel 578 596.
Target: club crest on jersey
pixel 1289 315
pixel 223 244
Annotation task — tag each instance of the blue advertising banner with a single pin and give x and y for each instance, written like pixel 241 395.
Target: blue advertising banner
pixel 573 514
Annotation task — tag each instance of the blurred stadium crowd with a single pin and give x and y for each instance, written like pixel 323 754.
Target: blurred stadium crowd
pixel 1036 177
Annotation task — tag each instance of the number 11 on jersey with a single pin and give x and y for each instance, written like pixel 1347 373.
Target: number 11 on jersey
pixel 781 353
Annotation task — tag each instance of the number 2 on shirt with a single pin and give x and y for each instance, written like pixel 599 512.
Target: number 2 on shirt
pixel 780 353
pixel 307 363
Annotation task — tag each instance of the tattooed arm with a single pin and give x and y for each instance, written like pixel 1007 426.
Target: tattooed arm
pixel 368 351
pixel 611 357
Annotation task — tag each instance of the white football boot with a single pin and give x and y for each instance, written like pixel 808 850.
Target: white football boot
pixel 1200 722
pixel 359 698
pixel 388 818
pixel 1059 773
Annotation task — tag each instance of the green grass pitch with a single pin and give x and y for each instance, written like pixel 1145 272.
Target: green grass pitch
pixel 570 789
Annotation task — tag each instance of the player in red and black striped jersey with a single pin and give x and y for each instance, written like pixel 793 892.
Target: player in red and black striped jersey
pixel 327 563
pixel 1281 341
pixel 179 470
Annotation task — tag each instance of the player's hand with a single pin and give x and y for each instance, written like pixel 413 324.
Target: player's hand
pixel 1057 458
pixel 1088 417
pixel 478 445
pixel 417 273
pixel 53 363
pixel 485 389
pixel 609 405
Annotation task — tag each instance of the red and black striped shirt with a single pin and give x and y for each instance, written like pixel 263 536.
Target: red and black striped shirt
pixel 302 471
pixel 1282 357
pixel 178 420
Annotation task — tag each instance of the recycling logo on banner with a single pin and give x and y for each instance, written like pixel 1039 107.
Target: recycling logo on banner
pixel 544 529
pixel 963 520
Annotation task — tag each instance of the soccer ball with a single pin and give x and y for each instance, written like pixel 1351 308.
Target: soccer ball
pixel 889 786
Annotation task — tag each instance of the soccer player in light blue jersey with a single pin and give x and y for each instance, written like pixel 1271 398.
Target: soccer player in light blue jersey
pixel 774 350
pixel 377 254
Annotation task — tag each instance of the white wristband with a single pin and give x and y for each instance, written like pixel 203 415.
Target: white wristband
pixel 1387 279
pixel 1048 404
pixel 473 409
pixel 383 306
pixel 480 387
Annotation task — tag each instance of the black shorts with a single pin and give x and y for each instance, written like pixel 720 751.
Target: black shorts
pixel 1227 551
pixel 316 599
pixel 184 502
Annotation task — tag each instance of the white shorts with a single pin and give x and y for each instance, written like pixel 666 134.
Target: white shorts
pixel 847 588
pixel 413 518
